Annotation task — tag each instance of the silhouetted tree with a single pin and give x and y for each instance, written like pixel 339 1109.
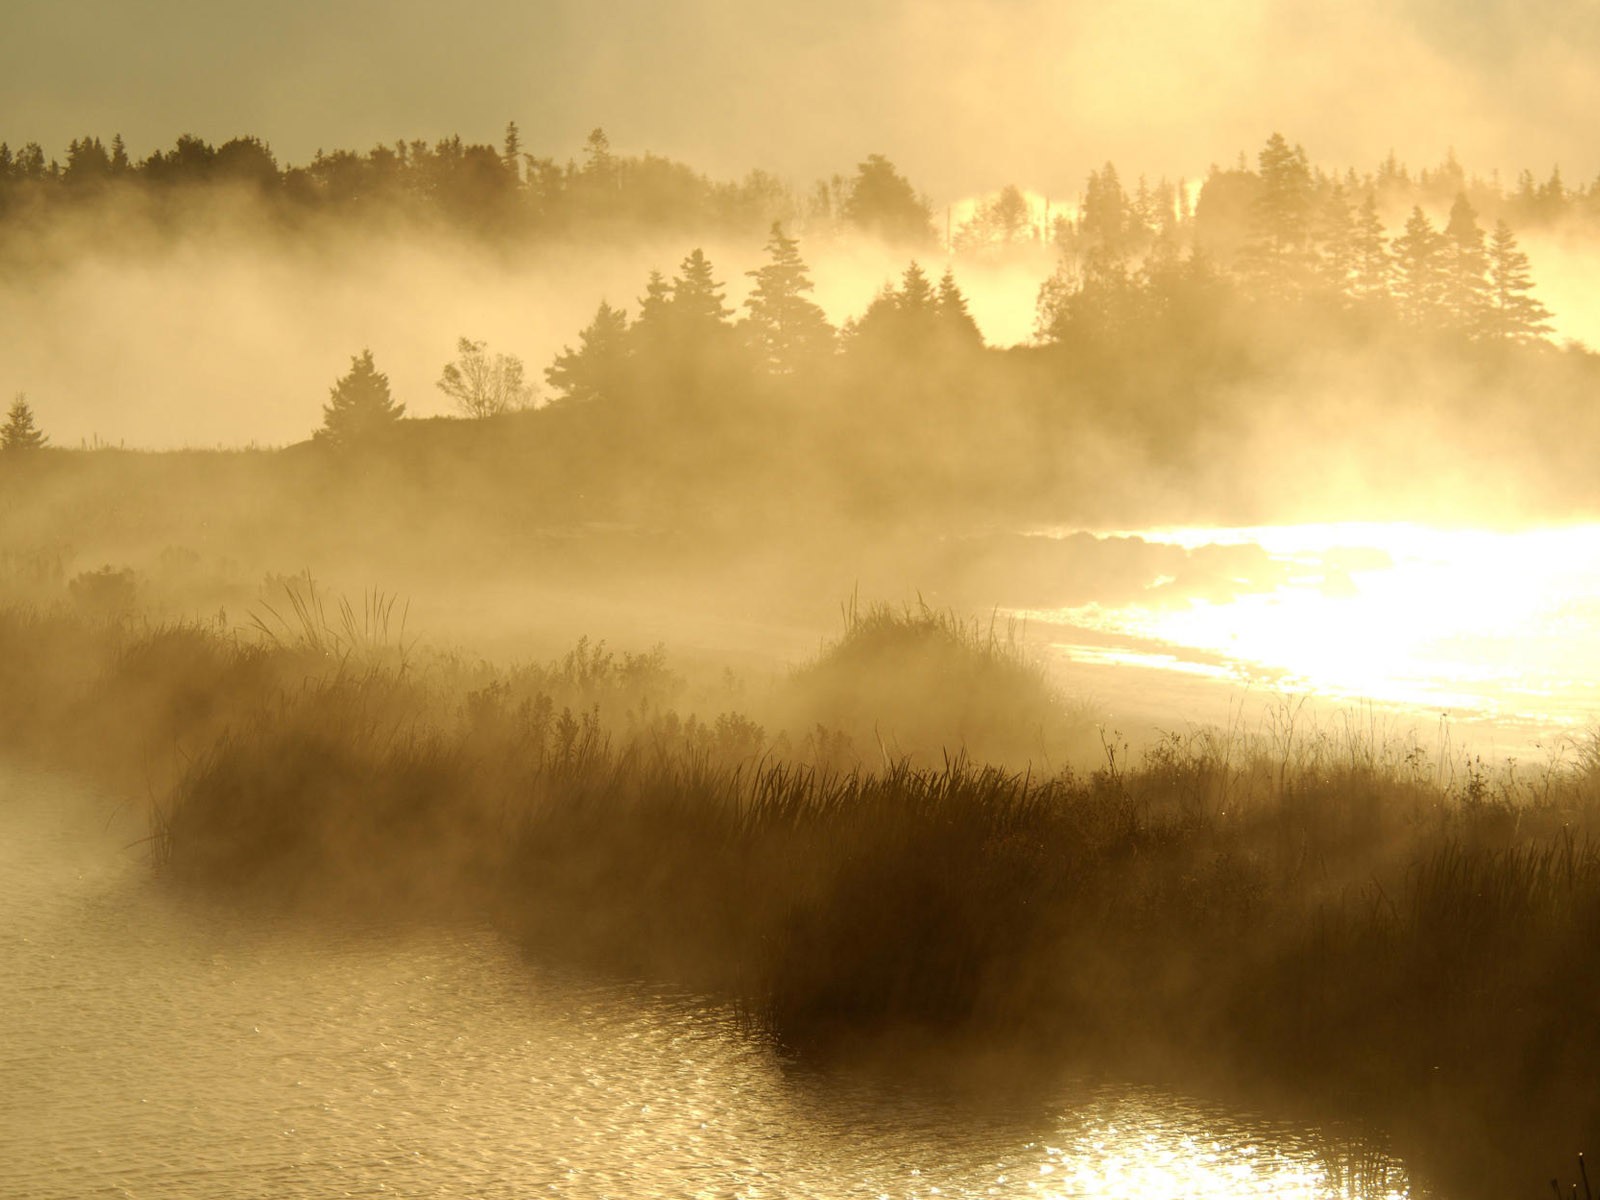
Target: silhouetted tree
pixel 1278 259
pixel 482 386
pixel 19 435
pixel 955 321
pixel 1464 289
pixel 360 406
pixel 1371 264
pixel 696 305
pixel 1334 233
pixel 1513 314
pixel 1005 220
pixel 784 327
pixel 881 201
pixel 597 368
pixel 1106 235
pixel 1418 278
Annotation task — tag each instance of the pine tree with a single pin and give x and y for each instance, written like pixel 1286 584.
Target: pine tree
pixel 1334 230
pixel 785 328
pixel 1278 259
pixel 1371 265
pixel 19 435
pixel 954 319
pixel 1513 314
pixel 697 305
pixel 360 406
pixel 596 369
pixel 1418 277
pixel 1464 290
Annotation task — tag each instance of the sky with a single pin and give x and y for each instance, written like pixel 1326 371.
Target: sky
pixel 964 95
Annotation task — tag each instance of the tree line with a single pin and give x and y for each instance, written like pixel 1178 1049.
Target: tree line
pixel 511 189
pixel 496 190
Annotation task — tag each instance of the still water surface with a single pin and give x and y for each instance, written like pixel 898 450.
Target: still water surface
pixel 153 1047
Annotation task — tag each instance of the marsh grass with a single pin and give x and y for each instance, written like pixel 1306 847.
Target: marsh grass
pixel 1331 911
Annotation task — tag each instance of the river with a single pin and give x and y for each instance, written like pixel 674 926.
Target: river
pixel 156 1045
pixel 1484 640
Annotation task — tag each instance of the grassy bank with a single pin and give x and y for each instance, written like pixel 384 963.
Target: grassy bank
pixel 1328 913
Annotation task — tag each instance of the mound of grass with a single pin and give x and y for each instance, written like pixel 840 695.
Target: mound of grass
pixel 922 684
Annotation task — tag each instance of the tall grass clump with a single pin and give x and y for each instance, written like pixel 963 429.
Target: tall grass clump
pixel 921 683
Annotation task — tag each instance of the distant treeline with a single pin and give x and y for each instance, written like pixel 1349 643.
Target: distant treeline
pixel 511 190
pixel 496 191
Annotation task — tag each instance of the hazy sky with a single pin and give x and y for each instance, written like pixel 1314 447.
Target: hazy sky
pixel 963 94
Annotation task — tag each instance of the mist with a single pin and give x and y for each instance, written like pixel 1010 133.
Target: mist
pixel 910 585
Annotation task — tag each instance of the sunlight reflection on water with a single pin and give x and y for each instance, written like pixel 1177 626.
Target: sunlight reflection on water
pixel 1500 624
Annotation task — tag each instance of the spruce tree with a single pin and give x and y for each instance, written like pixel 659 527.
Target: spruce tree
pixel 1464 290
pixel 1278 259
pixel 697 305
pixel 1372 265
pixel 19 435
pixel 1334 230
pixel 954 319
pixel 1513 313
pixel 784 327
pixel 360 406
pixel 595 370
pixel 1418 277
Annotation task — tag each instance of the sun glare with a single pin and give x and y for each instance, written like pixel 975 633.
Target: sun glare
pixel 1453 619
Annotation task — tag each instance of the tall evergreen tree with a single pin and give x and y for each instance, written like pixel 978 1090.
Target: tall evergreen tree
pixel 1418 275
pixel 785 327
pixel 360 406
pixel 1464 289
pixel 697 305
pixel 19 435
pixel 954 319
pixel 1334 231
pixel 1278 258
pixel 1513 314
pixel 597 369
pixel 1372 264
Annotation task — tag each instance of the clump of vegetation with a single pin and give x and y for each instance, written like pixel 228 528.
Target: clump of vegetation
pixel 921 685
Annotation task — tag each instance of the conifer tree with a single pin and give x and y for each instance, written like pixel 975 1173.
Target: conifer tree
pixel 1371 264
pixel 1335 234
pixel 785 327
pixel 697 305
pixel 1464 290
pixel 596 369
pixel 954 319
pixel 1278 259
pixel 360 406
pixel 19 435
pixel 653 330
pixel 1418 277
pixel 1513 313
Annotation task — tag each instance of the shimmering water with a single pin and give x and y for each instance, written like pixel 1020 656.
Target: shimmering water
pixel 1496 627
pixel 152 1047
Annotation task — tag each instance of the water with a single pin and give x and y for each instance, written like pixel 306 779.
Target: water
pixel 1493 629
pixel 154 1046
